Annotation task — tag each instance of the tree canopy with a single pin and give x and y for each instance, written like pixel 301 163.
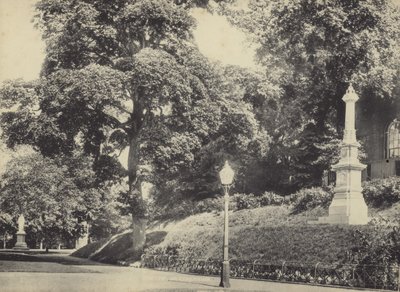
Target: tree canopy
pixel 312 50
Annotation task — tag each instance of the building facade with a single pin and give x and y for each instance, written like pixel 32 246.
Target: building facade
pixel 378 129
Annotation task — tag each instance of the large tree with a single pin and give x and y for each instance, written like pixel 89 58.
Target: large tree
pixel 312 50
pixel 118 74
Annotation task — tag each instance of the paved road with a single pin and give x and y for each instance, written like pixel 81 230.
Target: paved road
pixel 93 277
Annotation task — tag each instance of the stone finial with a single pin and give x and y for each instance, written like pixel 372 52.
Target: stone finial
pixel 350 95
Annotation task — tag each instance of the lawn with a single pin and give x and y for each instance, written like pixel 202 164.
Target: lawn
pixel 42 263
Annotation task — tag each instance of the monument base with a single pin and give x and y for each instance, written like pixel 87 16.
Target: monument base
pixel 21 244
pixel 346 208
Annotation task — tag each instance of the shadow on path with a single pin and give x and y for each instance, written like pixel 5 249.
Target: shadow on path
pixel 47 257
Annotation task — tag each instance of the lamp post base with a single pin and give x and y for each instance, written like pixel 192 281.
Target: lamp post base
pixel 225 275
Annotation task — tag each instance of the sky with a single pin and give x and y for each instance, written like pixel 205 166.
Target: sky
pixel 22 50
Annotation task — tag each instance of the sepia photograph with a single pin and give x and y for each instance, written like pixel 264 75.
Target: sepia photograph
pixel 199 145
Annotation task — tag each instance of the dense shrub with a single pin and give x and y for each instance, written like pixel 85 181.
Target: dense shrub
pixel 378 245
pixel 182 208
pixel 209 205
pixel 250 201
pixel 270 198
pixel 243 201
pixel 382 192
pixel 165 250
pixel 307 199
pixel 174 210
pixel 376 251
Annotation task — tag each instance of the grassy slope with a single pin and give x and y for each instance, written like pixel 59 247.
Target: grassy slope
pixel 117 248
pixel 270 233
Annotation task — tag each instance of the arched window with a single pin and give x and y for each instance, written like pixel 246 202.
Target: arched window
pixel 393 140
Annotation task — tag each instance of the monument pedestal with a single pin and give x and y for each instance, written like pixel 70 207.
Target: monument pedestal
pixel 21 244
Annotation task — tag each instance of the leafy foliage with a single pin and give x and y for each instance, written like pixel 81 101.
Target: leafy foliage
pixel 379 246
pixel 184 208
pixel 6 223
pixel 307 199
pixel 382 192
pixel 311 50
pixel 52 199
pixel 250 201
pixel 378 250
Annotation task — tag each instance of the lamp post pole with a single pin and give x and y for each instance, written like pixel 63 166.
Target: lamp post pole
pixel 225 264
pixel 226 176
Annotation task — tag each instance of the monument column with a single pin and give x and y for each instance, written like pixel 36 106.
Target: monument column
pixel 21 244
pixel 348 205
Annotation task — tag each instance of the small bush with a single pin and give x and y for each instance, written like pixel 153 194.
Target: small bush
pixel 209 205
pixel 270 198
pixel 250 201
pixel 382 192
pixel 183 208
pixel 307 199
pixel 176 210
pixel 244 201
pixel 165 250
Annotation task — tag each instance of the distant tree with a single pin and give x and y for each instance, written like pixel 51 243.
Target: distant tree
pixel 6 227
pixel 53 200
pixel 106 220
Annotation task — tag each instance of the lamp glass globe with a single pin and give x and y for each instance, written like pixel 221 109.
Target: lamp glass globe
pixel 226 174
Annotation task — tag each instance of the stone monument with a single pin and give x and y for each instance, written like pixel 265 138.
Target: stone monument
pixel 21 244
pixel 84 238
pixel 348 205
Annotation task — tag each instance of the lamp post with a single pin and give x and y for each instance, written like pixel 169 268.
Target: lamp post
pixel 226 176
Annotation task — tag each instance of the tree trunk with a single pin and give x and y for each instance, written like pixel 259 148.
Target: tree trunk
pixel 138 214
pixel 138 235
